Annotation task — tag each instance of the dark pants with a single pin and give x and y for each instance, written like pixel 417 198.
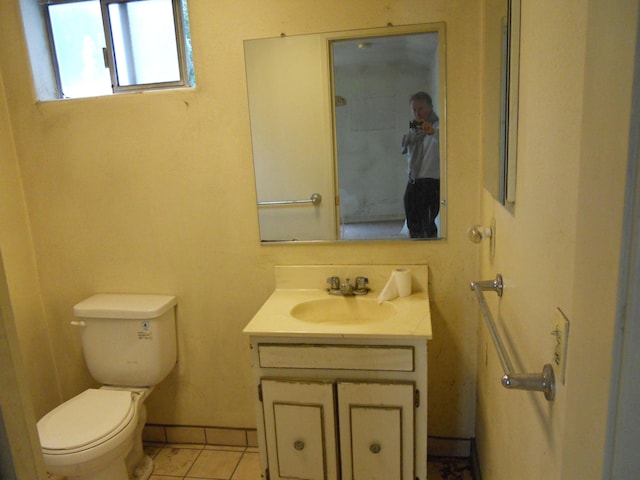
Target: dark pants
pixel 421 206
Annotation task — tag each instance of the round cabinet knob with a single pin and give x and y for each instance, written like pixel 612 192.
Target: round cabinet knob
pixel 375 448
pixel 298 445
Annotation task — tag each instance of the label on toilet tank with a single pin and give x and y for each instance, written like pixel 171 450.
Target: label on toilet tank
pixel 144 333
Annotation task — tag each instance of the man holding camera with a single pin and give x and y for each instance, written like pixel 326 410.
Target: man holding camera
pixel 422 146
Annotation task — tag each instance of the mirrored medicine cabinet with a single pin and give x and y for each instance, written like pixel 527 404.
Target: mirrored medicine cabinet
pixel 328 112
pixel 502 67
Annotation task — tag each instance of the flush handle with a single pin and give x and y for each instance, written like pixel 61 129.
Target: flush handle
pixel 78 323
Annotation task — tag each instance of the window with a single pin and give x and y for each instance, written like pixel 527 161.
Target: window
pixel 100 47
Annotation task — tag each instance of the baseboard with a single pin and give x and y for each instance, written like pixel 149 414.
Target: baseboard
pixel 237 437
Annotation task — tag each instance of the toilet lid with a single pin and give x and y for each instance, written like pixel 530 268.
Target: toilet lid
pixel 86 418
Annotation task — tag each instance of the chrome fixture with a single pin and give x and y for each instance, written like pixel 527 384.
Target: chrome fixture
pixel 477 233
pixel 316 199
pixel 483 285
pixel 334 284
pixel 346 289
pixel 537 382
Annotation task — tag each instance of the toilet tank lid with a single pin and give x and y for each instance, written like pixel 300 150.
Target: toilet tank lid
pixel 124 305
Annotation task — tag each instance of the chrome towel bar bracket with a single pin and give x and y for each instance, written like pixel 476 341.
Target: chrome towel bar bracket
pixel 495 285
pixel 538 382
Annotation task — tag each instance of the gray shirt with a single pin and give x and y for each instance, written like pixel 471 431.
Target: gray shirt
pixel 423 151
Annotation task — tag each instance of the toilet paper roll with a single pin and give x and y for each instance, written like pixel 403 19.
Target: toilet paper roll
pixel 403 281
pixel 390 290
pixel 399 284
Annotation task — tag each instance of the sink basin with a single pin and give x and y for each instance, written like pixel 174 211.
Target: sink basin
pixel 343 310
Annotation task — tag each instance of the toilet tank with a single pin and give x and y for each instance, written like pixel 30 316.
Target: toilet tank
pixel 128 340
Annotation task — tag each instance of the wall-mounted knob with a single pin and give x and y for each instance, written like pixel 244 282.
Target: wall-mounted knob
pixel 375 448
pixel 477 233
pixel 298 445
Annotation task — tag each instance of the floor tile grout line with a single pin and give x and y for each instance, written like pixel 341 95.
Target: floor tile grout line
pixel 193 463
pixel 237 464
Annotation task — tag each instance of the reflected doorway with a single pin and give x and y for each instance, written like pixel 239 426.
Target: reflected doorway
pixel 373 79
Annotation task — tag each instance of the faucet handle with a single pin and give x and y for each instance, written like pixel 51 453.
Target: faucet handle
pixel 362 284
pixel 334 283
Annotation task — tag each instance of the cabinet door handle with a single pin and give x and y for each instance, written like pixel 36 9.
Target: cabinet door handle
pixel 298 445
pixel 375 448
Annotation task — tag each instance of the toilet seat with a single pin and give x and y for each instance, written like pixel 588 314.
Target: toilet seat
pixel 87 420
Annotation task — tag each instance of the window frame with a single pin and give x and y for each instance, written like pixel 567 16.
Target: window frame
pixel 109 54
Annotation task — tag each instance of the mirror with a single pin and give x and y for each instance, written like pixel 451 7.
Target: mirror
pixel 328 116
pixel 502 53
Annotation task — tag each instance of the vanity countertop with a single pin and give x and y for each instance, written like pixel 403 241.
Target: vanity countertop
pixel 325 315
pixel 411 317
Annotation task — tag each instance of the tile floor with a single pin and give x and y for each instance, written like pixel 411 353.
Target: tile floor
pixel 188 461
pixel 209 462
pixel 176 461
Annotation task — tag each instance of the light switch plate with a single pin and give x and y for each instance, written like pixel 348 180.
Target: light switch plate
pixel 561 332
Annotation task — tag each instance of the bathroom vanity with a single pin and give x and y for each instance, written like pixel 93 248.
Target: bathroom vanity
pixel 341 382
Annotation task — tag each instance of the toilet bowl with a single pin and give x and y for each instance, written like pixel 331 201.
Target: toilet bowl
pixel 97 435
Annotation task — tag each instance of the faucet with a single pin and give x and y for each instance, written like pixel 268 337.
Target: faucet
pixel 346 289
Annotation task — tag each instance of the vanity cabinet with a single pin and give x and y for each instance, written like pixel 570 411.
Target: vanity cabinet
pixel 341 408
pixel 374 423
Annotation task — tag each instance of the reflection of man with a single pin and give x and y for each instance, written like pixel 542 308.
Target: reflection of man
pixel 422 146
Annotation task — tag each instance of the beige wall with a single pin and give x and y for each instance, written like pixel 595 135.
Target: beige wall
pixel 17 249
pixel 559 246
pixel 155 193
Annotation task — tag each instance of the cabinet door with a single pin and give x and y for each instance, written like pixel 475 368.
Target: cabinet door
pixel 300 430
pixel 376 431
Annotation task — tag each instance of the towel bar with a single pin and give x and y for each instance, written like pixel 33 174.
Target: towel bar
pixel 537 382
pixel 315 199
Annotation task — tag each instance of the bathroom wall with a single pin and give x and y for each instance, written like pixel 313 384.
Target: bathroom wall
pixel 154 192
pixel 558 247
pixel 17 248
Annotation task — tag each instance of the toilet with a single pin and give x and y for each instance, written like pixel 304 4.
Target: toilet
pixel 129 345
